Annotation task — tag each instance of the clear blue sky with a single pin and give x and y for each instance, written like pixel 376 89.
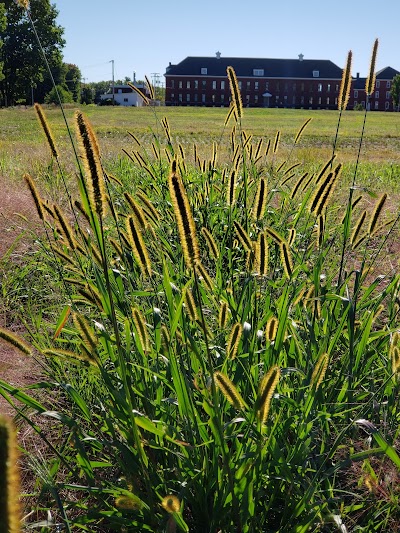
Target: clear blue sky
pixel 144 36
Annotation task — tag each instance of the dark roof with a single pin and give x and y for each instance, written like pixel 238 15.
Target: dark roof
pixel 387 73
pixel 359 83
pixel 243 66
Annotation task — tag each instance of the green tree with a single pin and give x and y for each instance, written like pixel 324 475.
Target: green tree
pixel 54 96
pixel 73 80
pixel 87 95
pixel 395 92
pixel 23 64
pixel 3 23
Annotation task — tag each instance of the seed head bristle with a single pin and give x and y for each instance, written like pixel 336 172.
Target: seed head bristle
pixel 276 142
pixel 149 206
pixel 235 93
pixel 138 246
pixel 319 371
pixel 191 305
pixel 223 315
pixel 266 391
pixel 204 276
pixel 65 227
pixel 357 227
pixel 323 193
pixel 87 334
pixel 229 390
pixel 298 185
pixel 301 130
pixel 370 82
pixel 150 88
pixel 184 218
pixel 345 85
pixel 395 356
pixel 138 213
pixel 243 236
pixel 274 235
pixel 15 340
pixel 233 341
pixel 291 236
pixel 146 101
pixel 320 230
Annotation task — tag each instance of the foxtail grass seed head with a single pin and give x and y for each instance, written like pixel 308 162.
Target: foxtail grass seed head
pixel 235 92
pixel 276 142
pixel 137 211
pixel 128 503
pixel 223 315
pixel 323 170
pixel 320 230
pixel 146 101
pixel 271 329
pixel 150 88
pixel 260 200
pixel 231 189
pixel 274 235
pixel 10 513
pixel 357 227
pixel 286 259
pixel 266 391
pixel 301 130
pixel 15 341
pixel 320 199
pixel 152 211
pixel 91 159
pixel 45 125
pixel 65 227
pixel 35 195
pixel 212 245
pixel 171 504
pixel 395 356
pixel 376 214
pixel 204 277
pixel 319 371
pixel 138 246
pixel 229 390
pixel 191 305
pixel 243 236
pixel 184 218
pixel 86 332
pixel 233 341
pixel 345 85
pixel 262 254
pixel 291 236
pixel 370 83
pixel 141 328
pixel 298 185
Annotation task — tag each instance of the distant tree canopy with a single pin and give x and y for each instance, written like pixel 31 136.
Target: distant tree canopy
pixel 22 67
pixel 395 91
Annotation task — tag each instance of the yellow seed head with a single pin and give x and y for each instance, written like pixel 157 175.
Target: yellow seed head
pixel 43 120
pixel 171 504
pixel 271 329
pixel 319 370
pixel 235 93
pixel 266 391
pixel 260 200
pixel 345 85
pixel 233 341
pixel 229 390
pixel 9 478
pixel 370 83
pixel 138 246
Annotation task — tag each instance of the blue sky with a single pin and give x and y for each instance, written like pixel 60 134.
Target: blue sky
pixel 143 37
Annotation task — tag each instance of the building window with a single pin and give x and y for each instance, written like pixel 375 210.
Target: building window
pixel 172 96
pixel 302 86
pixel 378 84
pixel 203 84
pixel 180 97
pixel 388 85
pixel 247 98
pixel 214 84
pixel 387 104
pixel 266 85
pixel 355 103
pixel 222 97
pixel 376 105
pixel 213 98
pixel 240 85
pixel 258 72
pixel 187 97
pixel 256 85
pixel 310 87
pixel 355 93
pixel 196 84
pixel 203 98
pixel 125 99
pixel 180 85
pixel 248 86
pixel 294 100
pixel 188 85
pixel 335 101
pixel 319 101
pixel 376 94
pixel 302 100
pixel 222 85
pixel 320 87
pixel 310 100
pixel 172 84
pixel 277 99
pixel 328 87
pixel 256 99
pixel 337 87
pixel 327 100
pixel 315 73
pixel 196 97
pixel 387 95
pixel 203 71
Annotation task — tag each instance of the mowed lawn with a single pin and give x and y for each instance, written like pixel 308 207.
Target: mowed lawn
pixel 23 147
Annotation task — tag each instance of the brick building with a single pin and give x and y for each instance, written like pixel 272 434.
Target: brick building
pixel 380 100
pixel 293 83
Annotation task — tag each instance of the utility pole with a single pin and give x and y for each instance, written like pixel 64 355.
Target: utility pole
pixel 113 83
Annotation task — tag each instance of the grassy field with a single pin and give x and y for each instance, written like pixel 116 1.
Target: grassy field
pixel 218 336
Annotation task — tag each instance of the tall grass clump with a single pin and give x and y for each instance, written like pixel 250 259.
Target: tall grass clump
pixel 225 358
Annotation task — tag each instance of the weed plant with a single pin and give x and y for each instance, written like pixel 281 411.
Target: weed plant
pixel 226 356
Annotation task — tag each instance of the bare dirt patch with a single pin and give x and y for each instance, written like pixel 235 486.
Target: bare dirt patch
pixel 17 216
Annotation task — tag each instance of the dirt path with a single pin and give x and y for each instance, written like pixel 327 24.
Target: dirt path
pixel 15 367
